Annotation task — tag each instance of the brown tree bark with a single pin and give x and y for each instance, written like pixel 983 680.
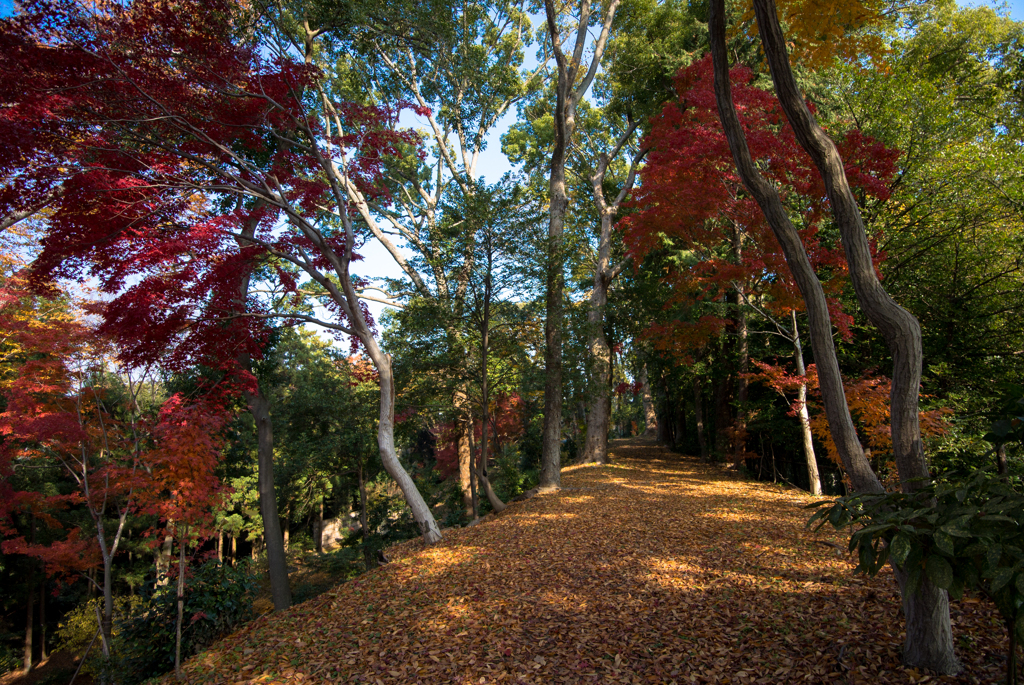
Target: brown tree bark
pixel 929 638
pixel 650 416
pixel 742 353
pixel 30 615
pixel 42 620
pixel 363 520
pixel 277 564
pixel 569 90
pixel 464 452
pixel 595 448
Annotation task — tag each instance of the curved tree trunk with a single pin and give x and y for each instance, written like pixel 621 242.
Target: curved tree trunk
pixel 840 423
pixel 929 637
pixel 389 456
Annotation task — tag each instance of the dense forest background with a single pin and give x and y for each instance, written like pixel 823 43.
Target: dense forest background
pixel 210 396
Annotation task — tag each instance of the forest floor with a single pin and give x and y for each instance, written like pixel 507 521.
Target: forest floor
pixel 655 569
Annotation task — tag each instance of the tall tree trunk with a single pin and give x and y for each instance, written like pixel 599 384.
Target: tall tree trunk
pixel 1002 468
pixel 650 416
pixel 474 492
pixel 805 420
pixel 465 454
pixel 929 637
pixel 551 452
pixel 698 410
pixel 277 564
pixel 742 354
pixel 42 620
pixel 259 407
pixel 569 89
pixel 30 616
pixel 220 546
pixel 485 393
pixel 595 448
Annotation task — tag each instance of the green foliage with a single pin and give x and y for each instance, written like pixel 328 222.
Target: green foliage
pixel 218 598
pixel 10 658
pixel 960 536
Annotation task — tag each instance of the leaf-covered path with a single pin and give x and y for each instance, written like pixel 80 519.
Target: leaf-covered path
pixel 656 569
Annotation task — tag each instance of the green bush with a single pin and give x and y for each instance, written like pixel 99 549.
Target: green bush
pixel 78 628
pixel 218 598
pixel 967 535
pixel 10 658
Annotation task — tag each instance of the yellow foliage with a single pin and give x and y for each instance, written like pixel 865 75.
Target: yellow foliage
pixel 821 31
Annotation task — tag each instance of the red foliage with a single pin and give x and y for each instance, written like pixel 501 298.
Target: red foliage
pixel 158 127
pixel 119 458
pixel 506 425
pixel 691 199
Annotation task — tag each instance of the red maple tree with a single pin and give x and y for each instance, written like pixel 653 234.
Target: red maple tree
pixel 196 147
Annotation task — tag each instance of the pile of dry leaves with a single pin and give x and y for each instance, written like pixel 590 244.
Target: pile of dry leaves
pixel 656 569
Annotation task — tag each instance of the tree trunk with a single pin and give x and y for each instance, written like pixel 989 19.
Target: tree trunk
pixel 742 355
pixel 551 453
pixel 163 560
pixel 42 620
pixel 465 454
pixel 30 616
pixel 723 418
pixel 698 410
pixel 277 564
pixel 474 492
pixel 181 606
pixel 805 420
pixel 595 449
pixel 929 640
pixel 386 442
pixel 1002 468
pixel 485 395
pixel 650 416
pixel 840 424
pixel 234 549
pixel 569 89
pixel 220 546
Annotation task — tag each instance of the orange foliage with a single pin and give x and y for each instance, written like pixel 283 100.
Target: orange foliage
pixel 821 31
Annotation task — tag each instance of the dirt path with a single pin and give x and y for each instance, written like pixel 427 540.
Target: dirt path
pixel 656 569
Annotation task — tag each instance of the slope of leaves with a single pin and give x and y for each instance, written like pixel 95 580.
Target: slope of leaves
pixel 656 569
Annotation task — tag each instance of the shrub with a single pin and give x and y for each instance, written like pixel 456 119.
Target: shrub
pixel 218 598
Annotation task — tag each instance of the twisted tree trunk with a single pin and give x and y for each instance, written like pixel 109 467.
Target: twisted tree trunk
pixel 929 641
